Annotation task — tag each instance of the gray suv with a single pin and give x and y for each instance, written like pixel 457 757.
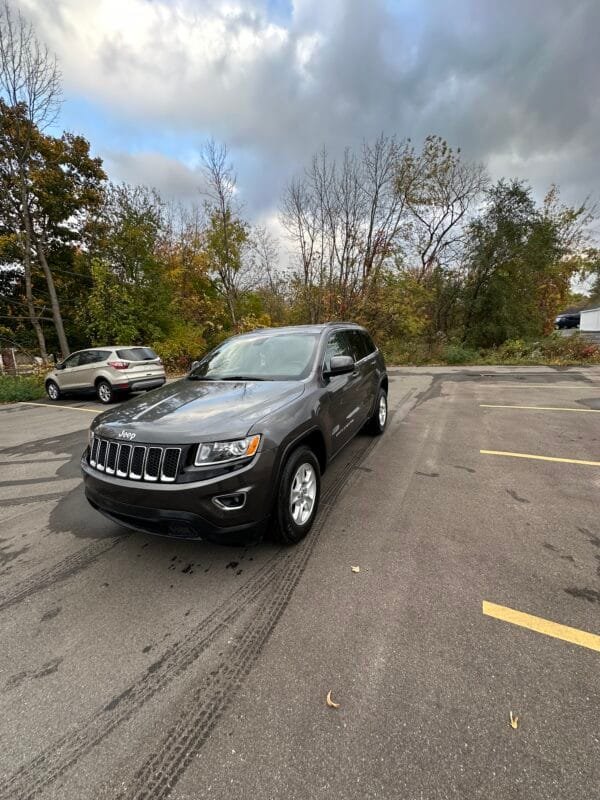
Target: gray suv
pixel 239 445
pixel 106 371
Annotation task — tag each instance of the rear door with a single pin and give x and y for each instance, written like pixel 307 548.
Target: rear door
pixel 364 355
pixel 343 392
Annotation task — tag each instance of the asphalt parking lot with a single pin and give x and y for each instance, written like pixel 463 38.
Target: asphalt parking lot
pixel 139 667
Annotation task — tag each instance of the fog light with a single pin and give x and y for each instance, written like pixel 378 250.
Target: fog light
pixel 230 502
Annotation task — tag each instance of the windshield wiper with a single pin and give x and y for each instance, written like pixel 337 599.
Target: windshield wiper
pixel 240 378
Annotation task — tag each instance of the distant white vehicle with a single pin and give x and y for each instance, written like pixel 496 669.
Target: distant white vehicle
pixel 107 371
pixel 590 320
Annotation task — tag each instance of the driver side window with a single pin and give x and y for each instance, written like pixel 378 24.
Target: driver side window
pixel 338 345
pixel 72 361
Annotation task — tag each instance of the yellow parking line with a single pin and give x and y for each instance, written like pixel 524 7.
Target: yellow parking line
pixel 544 408
pixel 51 405
pixel 540 458
pixel 580 386
pixel 541 625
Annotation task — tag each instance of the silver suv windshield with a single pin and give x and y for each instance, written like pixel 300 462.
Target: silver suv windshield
pixel 263 357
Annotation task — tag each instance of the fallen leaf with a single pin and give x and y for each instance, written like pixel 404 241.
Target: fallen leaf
pixel 514 721
pixel 330 702
pixel 355 569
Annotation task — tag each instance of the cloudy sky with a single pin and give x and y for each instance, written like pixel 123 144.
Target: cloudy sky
pixel 515 83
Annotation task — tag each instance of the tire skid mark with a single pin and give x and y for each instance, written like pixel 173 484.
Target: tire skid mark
pixel 53 762
pixel 163 769
pixel 59 572
pixel 49 765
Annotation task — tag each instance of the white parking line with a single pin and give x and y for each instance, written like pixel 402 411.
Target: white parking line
pixel 70 408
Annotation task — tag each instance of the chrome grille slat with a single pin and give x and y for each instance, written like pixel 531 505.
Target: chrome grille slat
pixel 170 464
pixel 111 458
pixel 138 458
pixel 150 463
pixel 94 451
pixel 101 455
pixel 123 460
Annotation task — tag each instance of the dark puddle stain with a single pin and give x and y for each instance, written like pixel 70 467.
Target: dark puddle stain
pixel 239 572
pixel 147 648
pixel 516 497
pixel 363 469
pixel 466 469
pixel 428 474
pixel 187 613
pixel 568 558
pixel 188 570
pixel 232 565
pixel 105 584
pixel 549 546
pixel 53 612
pixel 591 595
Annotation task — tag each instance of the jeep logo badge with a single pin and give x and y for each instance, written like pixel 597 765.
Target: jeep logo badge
pixel 126 435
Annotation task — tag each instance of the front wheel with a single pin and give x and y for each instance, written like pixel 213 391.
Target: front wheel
pixel 376 425
pixel 52 390
pixel 105 392
pixel 298 496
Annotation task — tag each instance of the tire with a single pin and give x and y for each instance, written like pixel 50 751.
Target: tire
pixel 105 392
pixel 301 473
pixel 376 424
pixel 52 391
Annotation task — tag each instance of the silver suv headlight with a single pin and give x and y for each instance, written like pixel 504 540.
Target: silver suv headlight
pixel 223 452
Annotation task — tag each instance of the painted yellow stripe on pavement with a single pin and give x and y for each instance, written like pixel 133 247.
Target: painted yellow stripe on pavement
pixel 540 458
pixel 541 625
pixel 51 405
pixel 502 385
pixel 544 408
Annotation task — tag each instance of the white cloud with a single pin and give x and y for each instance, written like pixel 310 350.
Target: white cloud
pixel 513 83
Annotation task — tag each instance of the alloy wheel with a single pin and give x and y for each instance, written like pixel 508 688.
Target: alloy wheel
pixel 303 494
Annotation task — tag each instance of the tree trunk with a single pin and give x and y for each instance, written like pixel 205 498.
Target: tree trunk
pixel 56 315
pixel 28 284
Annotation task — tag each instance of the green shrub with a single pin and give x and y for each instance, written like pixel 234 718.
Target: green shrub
pixel 457 354
pixel 184 345
pixel 26 387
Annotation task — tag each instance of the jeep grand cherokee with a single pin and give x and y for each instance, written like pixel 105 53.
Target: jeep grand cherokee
pixel 240 444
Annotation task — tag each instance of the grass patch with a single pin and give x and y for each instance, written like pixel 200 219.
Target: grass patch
pixel 17 388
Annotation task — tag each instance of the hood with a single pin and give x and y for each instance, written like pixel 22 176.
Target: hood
pixel 189 411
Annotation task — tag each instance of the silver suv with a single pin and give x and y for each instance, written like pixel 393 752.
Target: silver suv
pixel 107 371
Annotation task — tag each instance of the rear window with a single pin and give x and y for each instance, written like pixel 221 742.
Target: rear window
pixel 137 354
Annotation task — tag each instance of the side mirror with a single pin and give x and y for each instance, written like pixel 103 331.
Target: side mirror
pixel 60 365
pixel 340 365
pixel 194 365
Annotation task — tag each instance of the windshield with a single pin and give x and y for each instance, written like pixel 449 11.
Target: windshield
pixel 273 357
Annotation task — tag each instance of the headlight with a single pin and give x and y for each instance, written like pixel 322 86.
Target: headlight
pixel 222 452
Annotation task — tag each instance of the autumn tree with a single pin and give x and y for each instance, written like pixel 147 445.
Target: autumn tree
pixel 30 85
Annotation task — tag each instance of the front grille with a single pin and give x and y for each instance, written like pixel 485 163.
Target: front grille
pixel 136 462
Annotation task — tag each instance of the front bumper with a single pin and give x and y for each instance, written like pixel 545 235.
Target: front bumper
pixel 186 510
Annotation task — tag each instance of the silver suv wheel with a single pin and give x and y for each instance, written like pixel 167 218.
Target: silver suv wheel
pixel 52 391
pixel 382 410
pixel 104 392
pixel 303 493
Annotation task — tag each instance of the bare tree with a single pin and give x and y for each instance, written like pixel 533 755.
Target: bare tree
pixel 227 234
pixel 30 83
pixel 439 190
pixel 345 220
